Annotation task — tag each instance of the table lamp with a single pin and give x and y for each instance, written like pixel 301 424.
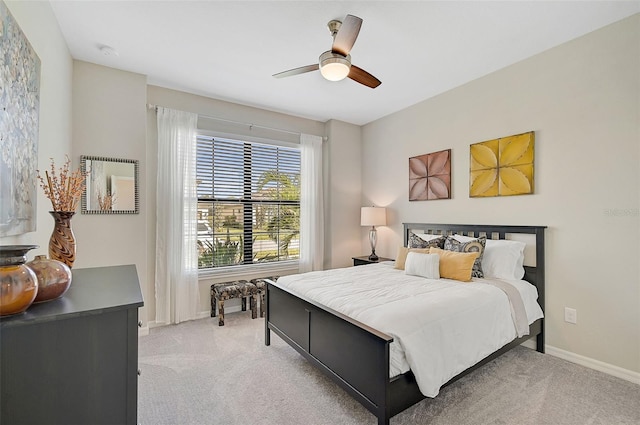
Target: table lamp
pixel 373 216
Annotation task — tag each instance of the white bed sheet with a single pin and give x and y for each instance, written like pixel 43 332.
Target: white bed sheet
pixel 440 327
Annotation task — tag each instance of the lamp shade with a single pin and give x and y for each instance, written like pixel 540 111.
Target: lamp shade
pixel 373 216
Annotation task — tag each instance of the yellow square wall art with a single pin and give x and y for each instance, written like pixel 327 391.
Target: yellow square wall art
pixel 502 167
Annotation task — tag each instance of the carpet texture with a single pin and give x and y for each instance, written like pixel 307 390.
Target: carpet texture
pixel 200 373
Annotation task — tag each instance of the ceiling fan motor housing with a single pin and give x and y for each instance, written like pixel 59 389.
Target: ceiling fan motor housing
pixel 334 66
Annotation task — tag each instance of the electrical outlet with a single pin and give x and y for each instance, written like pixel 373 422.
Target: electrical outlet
pixel 570 315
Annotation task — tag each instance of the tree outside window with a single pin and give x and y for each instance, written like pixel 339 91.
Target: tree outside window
pixel 249 203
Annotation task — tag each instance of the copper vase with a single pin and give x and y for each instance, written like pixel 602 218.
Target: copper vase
pixel 18 283
pixel 54 278
pixel 62 245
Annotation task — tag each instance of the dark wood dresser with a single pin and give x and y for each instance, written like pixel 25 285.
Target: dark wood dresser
pixel 74 360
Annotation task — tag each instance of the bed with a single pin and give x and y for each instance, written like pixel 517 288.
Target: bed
pixel 357 356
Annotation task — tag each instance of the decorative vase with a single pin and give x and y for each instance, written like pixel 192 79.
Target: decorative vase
pixel 62 245
pixel 18 283
pixel 54 278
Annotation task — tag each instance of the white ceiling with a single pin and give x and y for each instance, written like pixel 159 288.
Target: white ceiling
pixel 229 49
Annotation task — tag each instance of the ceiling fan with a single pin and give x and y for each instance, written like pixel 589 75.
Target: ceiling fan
pixel 335 64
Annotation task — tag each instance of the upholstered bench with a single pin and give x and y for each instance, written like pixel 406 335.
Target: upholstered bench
pixel 261 285
pixel 220 292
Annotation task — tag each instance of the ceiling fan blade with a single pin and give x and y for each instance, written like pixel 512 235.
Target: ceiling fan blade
pixel 347 34
pixel 296 71
pixel 363 77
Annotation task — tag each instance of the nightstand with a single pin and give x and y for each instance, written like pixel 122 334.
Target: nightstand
pixel 360 261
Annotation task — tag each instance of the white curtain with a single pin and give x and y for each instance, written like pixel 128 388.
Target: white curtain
pixel 311 205
pixel 177 295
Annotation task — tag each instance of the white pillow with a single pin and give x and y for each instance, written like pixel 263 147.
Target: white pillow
pixel 503 259
pixel 426 237
pixel 424 265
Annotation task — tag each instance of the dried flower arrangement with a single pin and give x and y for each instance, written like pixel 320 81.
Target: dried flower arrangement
pixel 106 202
pixel 63 188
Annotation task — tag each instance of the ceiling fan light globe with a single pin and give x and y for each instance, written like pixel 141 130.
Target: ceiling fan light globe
pixel 335 71
pixel 334 67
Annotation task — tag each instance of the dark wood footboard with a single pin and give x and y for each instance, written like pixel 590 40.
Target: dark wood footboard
pixel 352 354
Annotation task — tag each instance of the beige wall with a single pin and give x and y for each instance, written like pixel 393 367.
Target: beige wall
pixel 109 119
pixel 581 99
pixel 39 25
pixel 342 155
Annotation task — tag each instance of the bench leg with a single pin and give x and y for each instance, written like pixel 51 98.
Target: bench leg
pixel 262 304
pixel 214 301
pixel 252 304
pixel 221 313
pixel 244 303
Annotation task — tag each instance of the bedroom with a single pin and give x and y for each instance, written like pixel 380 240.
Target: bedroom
pixel 581 98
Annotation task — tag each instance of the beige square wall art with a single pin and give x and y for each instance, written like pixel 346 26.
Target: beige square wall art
pixel 430 176
pixel 502 167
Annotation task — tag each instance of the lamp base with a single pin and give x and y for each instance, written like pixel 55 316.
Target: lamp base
pixel 373 236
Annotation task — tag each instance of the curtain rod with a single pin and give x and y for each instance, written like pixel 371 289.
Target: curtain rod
pixel 251 126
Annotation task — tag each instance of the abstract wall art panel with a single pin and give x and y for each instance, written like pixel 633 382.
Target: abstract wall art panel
pixel 502 167
pixel 430 176
pixel 19 109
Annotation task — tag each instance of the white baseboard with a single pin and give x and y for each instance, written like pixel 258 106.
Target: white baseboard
pixel 200 315
pixel 203 314
pixel 627 375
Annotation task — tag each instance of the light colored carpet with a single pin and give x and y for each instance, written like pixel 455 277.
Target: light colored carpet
pixel 200 373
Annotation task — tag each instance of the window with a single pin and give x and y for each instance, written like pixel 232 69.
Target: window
pixel 248 202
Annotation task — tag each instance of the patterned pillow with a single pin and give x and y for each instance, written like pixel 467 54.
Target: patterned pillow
pixel 418 242
pixel 474 245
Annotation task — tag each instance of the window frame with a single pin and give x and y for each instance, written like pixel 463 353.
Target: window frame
pixel 238 270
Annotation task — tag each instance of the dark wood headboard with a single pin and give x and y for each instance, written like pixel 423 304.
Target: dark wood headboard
pixel 533 274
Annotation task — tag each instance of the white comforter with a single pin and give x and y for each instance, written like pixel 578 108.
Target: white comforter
pixel 440 327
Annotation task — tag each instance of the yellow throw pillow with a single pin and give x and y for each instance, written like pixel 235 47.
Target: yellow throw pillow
pixel 401 258
pixel 455 265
